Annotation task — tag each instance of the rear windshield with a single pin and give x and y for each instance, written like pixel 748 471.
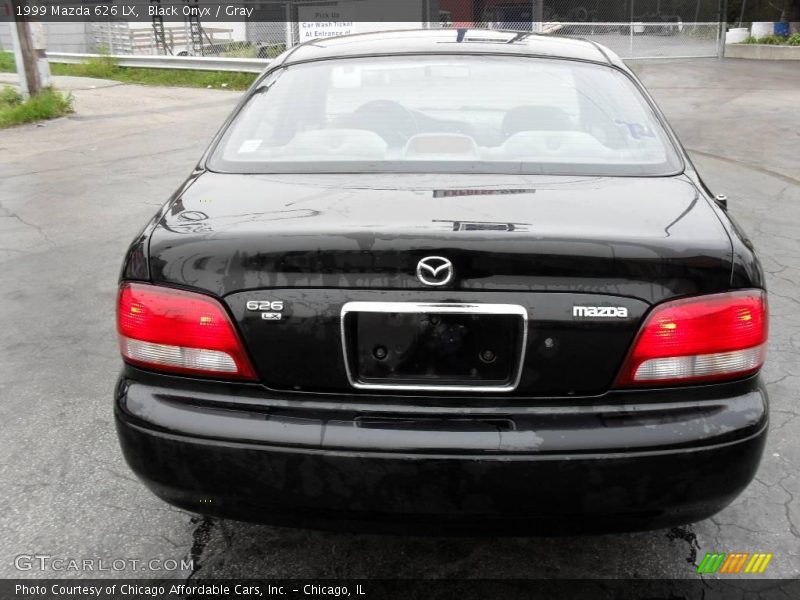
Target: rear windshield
pixel 481 114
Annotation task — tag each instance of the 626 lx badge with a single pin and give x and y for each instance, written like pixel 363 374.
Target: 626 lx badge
pixel 270 309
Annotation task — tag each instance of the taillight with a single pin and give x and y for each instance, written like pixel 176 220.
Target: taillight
pixel 705 338
pixel 182 332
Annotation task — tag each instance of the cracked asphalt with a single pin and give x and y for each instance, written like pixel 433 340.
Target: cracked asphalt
pixel 75 191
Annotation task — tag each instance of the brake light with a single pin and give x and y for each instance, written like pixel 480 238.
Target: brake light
pixel 178 331
pixel 705 338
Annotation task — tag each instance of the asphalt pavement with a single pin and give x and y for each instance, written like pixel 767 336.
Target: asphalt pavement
pixel 75 191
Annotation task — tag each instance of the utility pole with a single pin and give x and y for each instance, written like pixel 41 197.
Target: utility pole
pixel 29 53
pixel 537 12
pixel 723 27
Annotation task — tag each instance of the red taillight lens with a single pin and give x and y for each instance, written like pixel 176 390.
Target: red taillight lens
pixel 706 338
pixel 177 331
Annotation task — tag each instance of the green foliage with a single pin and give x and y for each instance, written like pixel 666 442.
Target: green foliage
pixel 47 104
pixel 244 51
pixel 102 67
pixel 239 50
pixel 775 40
pixel 250 50
pixel 10 97
pixel 772 40
pixel 103 49
pixel 275 50
pixel 107 68
pixel 7 64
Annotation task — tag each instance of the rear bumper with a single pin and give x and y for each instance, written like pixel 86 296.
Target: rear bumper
pixel 646 463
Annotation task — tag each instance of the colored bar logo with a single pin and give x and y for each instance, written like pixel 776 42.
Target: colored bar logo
pixel 737 562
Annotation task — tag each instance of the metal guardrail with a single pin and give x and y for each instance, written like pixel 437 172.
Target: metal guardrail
pixel 630 40
pixel 192 63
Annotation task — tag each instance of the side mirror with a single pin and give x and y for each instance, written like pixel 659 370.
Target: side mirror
pixel 722 200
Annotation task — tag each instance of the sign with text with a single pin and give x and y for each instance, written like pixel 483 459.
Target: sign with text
pixel 329 20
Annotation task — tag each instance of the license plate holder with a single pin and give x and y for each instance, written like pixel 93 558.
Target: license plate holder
pixel 430 346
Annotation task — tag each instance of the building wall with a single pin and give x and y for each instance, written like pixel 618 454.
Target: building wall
pixel 5 37
pixel 61 37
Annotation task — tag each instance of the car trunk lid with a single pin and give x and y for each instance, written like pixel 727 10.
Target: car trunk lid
pixel 650 238
pixel 582 258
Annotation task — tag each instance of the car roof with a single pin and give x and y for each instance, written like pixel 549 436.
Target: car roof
pixel 449 41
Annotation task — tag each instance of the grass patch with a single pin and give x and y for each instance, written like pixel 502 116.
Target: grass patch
pixel 47 104
pixel 7 64
pixel 106 68
pixel 249 50
pixel 241 52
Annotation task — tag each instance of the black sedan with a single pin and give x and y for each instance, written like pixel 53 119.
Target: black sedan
pixel 444 280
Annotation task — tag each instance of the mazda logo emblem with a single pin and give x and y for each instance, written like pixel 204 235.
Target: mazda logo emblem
pixel 435 270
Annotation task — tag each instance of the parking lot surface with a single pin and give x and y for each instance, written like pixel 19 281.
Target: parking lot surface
pixel 75 191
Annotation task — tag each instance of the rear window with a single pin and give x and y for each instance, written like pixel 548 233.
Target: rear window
pixel 481 114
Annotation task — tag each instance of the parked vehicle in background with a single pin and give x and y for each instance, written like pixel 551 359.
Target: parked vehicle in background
pixel 656 24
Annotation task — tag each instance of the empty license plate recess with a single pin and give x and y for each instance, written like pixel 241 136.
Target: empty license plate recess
pixel 434 346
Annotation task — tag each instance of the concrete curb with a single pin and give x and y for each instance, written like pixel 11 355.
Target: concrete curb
pixel 762 52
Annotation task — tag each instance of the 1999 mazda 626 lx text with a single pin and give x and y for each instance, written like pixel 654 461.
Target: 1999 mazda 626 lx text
pixel 451 279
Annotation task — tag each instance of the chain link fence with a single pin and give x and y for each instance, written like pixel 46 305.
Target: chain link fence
pixel 647 40
pixel 631 28
pixel 251 39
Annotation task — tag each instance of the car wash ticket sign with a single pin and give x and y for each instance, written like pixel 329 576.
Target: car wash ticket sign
pixel 325 21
